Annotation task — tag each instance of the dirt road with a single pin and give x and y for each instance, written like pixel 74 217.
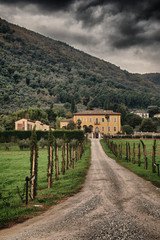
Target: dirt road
pixel 114 204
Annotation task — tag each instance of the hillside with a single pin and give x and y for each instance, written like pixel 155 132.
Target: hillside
pixel 38 71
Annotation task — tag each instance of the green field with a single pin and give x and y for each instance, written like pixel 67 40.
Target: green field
pixel 15 166
pixel 139 170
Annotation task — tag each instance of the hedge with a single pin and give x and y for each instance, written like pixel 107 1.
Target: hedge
pixel 131 136
pixel 14 135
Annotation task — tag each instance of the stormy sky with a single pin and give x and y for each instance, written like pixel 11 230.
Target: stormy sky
pixel 123 32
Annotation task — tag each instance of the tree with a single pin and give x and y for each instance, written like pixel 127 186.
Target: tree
pixel 73 106
pixel 67 105
pixel 51 141
pixel 51 114
pixel 133 120
pixel 58 144
pixel 58 119
pixel 42 143
pixel 34 163
pixel 127 129
pixel 121 109
pixel 153 110
pixel 71 125
pixel 148 125
pixel 79 124
pixel 87 129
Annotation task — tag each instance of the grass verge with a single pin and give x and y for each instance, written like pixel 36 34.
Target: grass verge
pixel 140 171
pixel 15 166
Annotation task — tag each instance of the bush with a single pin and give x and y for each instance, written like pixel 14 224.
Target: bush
pixel 24 143
pixel 42 143
pixel 7 146
pixel 148 125
pixel 7 136
pixel 127 129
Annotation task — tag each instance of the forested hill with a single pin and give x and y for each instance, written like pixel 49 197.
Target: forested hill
pixel 38 71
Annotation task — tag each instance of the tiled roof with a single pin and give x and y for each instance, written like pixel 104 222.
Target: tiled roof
pixel 97 112
pixel 24 119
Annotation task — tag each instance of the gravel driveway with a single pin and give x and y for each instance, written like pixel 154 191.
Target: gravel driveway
pixel 114 204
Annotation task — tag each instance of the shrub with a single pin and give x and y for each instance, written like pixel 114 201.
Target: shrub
pixel 24 143
pixel 6 136
pixel 127 129
pixel 42 143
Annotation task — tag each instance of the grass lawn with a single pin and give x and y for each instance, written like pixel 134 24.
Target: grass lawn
pixel 145 173
pixel 15 166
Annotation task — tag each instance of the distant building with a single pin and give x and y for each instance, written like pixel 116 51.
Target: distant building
pixel 157 115
pixel 64 123
pixel 142 114
pixel 99 121
pixel 27 124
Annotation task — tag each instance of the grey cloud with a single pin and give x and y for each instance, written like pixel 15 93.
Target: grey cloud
pixel 48 5
pixel 104 28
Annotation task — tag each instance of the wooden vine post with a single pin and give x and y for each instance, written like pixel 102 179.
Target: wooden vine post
pixel 139 154
pixel 63 158
pixel 79 151
pixel 121 151
pixel 67 157
pixel 154 157
pixel 70 155
pixel 34 163
pixel 76 152
pixel 126 151
pixel 73 145
pixel 134 153
pixel 145 155
pixel 129 152
pixel 56 162
pixel 50 157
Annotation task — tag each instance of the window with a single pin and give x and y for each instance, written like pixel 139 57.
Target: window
pixel 109 129
pixel 90 119
pixel 97 121
pixel 109 120
pixel 115 129
pixel 103 128
pixel 115 119
pixel 102 119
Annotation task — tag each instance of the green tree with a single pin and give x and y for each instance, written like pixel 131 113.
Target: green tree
pixel 51 141
pixel 67 105
pixel 79 124
pixel 127 129
pixel 58 119
pixel 71 125
pixel 133 120
pixel 73 106
pixel 153 110
pixel 34 163
pixel 148 125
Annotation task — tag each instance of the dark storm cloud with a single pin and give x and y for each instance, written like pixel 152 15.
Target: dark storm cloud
pixel 144 9
pixel 124 23
pixel 44 5
pixel 134 21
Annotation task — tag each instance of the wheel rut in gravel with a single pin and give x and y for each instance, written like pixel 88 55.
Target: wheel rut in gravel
pixel 113 204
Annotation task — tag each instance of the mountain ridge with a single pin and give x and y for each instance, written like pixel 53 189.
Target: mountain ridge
pixel 39 71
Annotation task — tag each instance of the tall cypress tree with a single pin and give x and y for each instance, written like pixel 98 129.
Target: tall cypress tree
pixel 34 163
pixel 50 157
